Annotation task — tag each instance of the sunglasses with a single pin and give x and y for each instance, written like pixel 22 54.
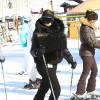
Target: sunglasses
pixel 47 19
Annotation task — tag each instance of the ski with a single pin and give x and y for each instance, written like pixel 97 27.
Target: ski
pixel 90 97
pixel 94 96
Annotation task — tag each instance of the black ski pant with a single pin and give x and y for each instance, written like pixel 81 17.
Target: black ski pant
pixel 45 84
pixel 89 69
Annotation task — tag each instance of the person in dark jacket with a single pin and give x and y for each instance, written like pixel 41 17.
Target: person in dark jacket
pixel 49 42
pixel 87 54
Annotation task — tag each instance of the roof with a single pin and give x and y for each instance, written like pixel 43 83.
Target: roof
pixel 89 4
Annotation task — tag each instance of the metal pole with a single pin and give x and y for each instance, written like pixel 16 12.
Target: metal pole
pixel 4 81
pixel 71 82
pixel 17 16
pixel 51 2
pixel 3 10
pixel 49 78
pixel 2 59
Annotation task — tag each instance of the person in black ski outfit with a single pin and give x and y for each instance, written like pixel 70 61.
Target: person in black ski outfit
pixel 49 41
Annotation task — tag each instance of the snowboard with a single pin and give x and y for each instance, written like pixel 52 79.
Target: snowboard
pixel 90 97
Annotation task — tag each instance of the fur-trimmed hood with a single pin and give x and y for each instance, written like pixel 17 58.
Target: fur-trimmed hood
pixel 56 29
pixel 86 22
pixel 52 37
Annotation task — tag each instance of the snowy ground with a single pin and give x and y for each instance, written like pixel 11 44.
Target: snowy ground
pixel 14 83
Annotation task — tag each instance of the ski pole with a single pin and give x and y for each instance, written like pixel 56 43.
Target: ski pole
pixel 71 83
pixel 49 78
pixel 4 80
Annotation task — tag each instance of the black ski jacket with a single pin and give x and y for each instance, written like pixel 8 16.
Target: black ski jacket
pixel 54 41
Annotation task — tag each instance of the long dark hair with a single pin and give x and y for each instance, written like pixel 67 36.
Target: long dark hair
pixel 91 15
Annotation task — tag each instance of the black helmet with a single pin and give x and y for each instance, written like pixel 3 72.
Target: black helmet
pixel 47 16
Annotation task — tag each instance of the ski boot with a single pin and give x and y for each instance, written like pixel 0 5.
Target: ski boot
pixel 33 84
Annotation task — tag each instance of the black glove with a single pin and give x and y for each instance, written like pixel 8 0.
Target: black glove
pixel 2 59
pixel 74 64
pixel 41 49
pixel 38 52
